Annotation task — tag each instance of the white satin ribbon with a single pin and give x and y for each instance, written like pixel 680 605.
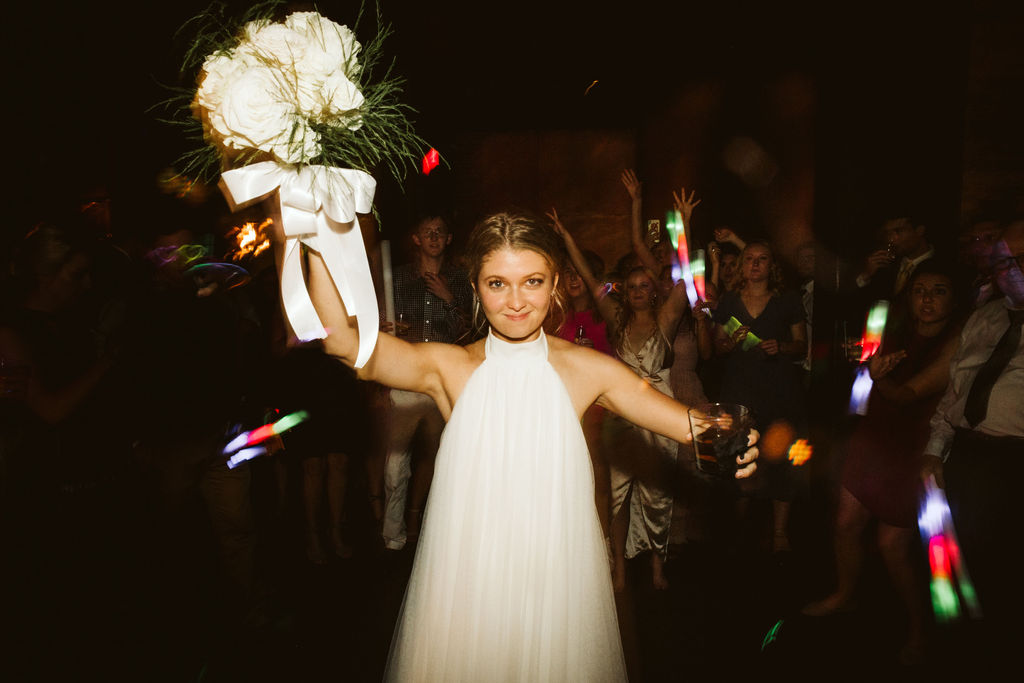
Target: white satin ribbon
pixel 317 204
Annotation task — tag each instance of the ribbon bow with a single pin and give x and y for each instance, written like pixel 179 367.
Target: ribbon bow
pixel 318 208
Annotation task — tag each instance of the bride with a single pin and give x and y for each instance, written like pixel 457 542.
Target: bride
pixel 511 579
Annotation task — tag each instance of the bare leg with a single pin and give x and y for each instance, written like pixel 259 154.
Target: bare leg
pixel 337 486
pixel 423 471
pixel 851 519
pixel 895 543
pixel 780 522
pixel 658 577
pixel 313 470
pixel 376 458
pixel 620 528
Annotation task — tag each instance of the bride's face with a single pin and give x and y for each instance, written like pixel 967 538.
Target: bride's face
pixel 515 288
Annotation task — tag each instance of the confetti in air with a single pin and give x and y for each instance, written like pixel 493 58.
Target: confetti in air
pixel 430 161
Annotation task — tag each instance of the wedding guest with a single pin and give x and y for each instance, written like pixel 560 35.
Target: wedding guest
pixel 881 471
pixel 976 440
pixel 196 370
pixel 642 462
pixel 763 377
pixel 584 325
pixel 690 341
pixel 333 437
pixel 67 454
pixel 432 304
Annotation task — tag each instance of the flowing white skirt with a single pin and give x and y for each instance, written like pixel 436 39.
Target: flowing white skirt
pixel 511 579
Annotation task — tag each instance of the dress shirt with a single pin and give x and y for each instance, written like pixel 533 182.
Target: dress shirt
pixel 431 318
pixel 1005 416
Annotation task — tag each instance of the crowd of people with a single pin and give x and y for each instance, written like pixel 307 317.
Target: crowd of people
pixel 128 365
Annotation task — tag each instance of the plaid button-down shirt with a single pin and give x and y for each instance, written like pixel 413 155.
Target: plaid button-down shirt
pixel 431 318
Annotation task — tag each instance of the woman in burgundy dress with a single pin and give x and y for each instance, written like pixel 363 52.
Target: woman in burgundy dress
pixel 881 478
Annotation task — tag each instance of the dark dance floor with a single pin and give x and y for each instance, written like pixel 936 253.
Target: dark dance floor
pixel 731 613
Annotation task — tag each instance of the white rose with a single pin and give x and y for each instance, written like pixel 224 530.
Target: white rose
pixel 274 44
pixel 218 72
pixel 252 112
pixel 341 97
pixel 329 46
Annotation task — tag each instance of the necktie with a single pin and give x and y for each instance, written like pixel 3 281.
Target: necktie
pixel 906 266
pixel 977 398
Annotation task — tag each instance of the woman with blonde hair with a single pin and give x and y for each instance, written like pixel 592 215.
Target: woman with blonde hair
pixel 763 376
pixel 642 461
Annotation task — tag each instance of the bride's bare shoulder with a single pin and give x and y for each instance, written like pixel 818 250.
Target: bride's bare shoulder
pixel 576 358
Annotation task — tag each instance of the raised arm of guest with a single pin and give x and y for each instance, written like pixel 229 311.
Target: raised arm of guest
pixel 636 229
pixel 726 234
pixel 606 305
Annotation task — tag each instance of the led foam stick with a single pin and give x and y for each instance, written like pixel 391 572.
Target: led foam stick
pixel 871 341
pixel 245 454
pixel 749 342
pixel 860 391
pixel 260 434
pixel 874 327
pixel 951 585
pixel 677 233
pixel 697 267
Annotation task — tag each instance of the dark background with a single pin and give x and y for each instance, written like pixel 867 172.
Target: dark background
pixel 862 106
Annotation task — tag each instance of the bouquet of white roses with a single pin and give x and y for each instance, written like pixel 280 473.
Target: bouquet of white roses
pixel 293 109
pixel 299 90
pixel 269 93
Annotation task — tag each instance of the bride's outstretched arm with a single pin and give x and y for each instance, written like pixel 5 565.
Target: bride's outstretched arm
pixel 394 362
pixel 626 394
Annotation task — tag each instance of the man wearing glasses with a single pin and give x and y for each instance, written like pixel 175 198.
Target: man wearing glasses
pixel 977 444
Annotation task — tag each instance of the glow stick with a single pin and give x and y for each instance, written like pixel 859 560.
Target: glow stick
pixel 750 341
pixel 245 454
pixel 698 268
pixel 948 569
pixel 677 233
pixel 263 433
pixel 389 287
pixel 860 391
pixel 874 328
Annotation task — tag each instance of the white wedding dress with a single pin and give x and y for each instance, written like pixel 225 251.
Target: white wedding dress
pixel 511 579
